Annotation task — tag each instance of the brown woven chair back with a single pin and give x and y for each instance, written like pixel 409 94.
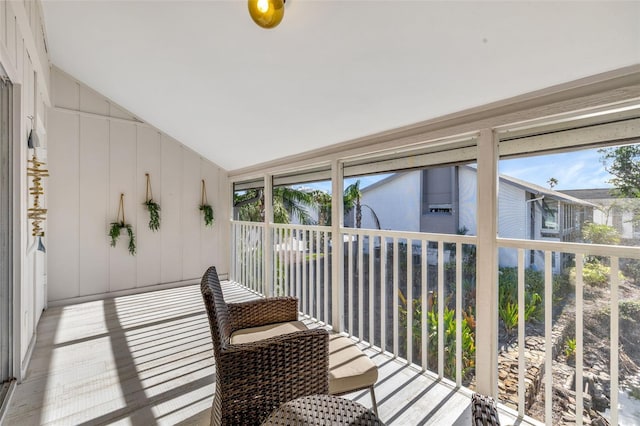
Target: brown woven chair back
pixel 217 310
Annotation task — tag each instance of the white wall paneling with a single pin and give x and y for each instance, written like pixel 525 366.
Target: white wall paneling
pixel 94 191
pixel 122 180
pixel 116 150
pixel 171 210
pixel 209 253
pixel 90 101
pixel 192 222
pixel 26 65
pixel 64 206
pixel 149 161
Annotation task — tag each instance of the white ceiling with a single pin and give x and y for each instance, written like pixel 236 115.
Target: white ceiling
pixel 204 73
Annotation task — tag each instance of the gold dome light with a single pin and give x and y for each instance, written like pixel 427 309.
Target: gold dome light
pixel 266 13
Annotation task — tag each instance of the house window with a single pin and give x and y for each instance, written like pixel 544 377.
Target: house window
pixel 549 215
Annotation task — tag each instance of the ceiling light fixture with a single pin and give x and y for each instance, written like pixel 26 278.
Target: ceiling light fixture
pixel 266 13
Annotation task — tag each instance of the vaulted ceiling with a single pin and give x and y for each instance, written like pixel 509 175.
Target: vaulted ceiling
pixel 204 73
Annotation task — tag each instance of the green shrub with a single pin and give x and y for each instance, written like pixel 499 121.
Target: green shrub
pixel 594 273
pixel 449 328
pixel 508 296
pixel 630 310
pixel 570 348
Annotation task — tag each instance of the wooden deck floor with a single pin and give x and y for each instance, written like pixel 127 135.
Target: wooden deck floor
pixel 147 359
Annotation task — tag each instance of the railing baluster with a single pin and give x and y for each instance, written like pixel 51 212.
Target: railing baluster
pixel 325 258
pixel 548 318
pixel 316 253
pixel 521 335
pixel 396 265
pixel 371 287
pixel 383 293
pixel 350 290
pixel 299 273
pixel 292 266
pixel 614 338
pixel 360 286
pixel 305 282
pixel 409 302
pixel 440 309
pixel 424 335
pixel 579 337
pixel 458 314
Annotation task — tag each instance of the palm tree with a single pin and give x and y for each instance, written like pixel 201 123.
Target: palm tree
pixel 352 199
pixel 323 201
pixel 287 203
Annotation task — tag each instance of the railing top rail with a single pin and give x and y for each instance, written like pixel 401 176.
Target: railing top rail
pixel 242 222
pixel 299 226
pixel 446 238
pixel 628 252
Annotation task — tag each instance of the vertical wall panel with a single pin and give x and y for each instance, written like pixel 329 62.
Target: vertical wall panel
pixel 117 112
pixel 3 23
pixel 171 208
pixel 149 242
pixel 11 33
pixel 192 220
pixel 223 231
pixel 92 102
pixel 63 202
pixel 208 244
pixel 66 91
pixel 122 179
pixel 94 211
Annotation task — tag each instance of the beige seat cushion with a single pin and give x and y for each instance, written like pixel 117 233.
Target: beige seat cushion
pixel 253 334
pixel 349 368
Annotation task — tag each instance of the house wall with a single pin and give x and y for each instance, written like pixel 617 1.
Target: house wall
pixel 468 199
pixel 397 203
pixel 99 151
pixel 618 217
pixel 25 62
pixel 513 220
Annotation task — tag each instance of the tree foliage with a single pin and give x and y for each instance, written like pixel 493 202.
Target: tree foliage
pixel 623 163
pixel 287 203
pixel 600 234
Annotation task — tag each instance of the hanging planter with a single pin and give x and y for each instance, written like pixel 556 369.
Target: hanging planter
pixel 119 225
pixel 205 207
pixel 152 207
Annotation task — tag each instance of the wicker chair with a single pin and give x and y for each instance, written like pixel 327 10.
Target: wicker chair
pixel 252 379
pixel 484 411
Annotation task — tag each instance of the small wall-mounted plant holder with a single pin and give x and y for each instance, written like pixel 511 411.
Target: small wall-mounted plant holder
pixel 119 225
pixel 205 208
pixel 152 207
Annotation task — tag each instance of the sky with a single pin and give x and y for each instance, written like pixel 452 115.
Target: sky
pixel 573 170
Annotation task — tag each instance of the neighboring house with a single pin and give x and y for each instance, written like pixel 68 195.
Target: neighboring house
pixel 444 200
pixel 613 211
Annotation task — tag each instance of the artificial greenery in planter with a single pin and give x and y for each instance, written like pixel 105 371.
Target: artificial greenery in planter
pixel 205 207
pixel 119 225
pixel 153 207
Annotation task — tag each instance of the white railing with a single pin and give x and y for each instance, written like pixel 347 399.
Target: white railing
pixel 247 262
pixel 386 287
pixel 403 312
pixel 302 267
pixel 578 252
